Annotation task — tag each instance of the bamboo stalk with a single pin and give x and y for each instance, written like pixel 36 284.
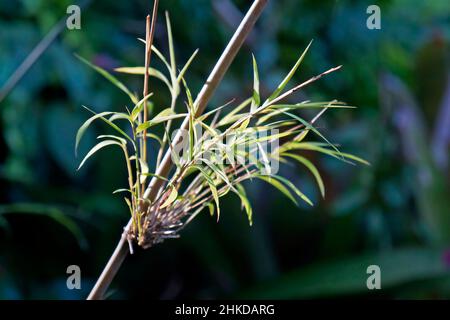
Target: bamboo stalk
pixel 201 101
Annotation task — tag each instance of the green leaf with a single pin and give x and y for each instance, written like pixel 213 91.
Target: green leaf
pixel 171 46
pixel 244 124
pixel 271 114
pixel 212 187
pixel 310 127
pixel 130 207
pixel 109 136
pixel 205 115
pixel 256 98
pixel 138 107
pixel 219 173
pixel 211 208
pixel 114 126
pixel 232 115
pixel 159 55
pixel 163 116
pixel 144 168
pixel 265 159
pixel 304 105
pixel 273 136
pixel 311 168
pixel 155 137
pixel 141 71
pixel 245 203
pixel 295 189
pixel 120 116
pixel 121 190
pixel 189 96
pixel 277 184
pixel 291 73
pixel 159 119
pixel 171 198
pixel 192 111
pixel 85 125
pixel 97 147
pixel 186 66
pixel 316 147
pixel 111 78
pixel 157 176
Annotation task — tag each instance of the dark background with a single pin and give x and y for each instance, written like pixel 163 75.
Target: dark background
pixel 394 214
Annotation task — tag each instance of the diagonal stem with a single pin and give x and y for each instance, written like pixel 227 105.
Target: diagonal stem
pixel 202 100
pixel 35 54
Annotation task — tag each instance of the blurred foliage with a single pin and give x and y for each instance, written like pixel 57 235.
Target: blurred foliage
pixel 394 213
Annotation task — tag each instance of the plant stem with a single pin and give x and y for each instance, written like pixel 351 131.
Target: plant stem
pixel 203 98
pixel 149 33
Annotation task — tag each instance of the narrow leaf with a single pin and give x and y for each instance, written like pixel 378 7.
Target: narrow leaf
pixel 277 184
pixel 97 147
pixel 138 107
pixel 171 198
pixel 110 77
pixel 288 77
pixel 256 99
pixel 311 168
pixel 85 125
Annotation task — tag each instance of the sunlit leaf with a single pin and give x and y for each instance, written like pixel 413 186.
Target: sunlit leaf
pixel 310 127
pixel 138 107
pixel 311 168
pixel 163 116
pixel 97 147
pixel 333 153
pixel 288 77
pixel 109 136
pixel 256 98
pixel 186 66
pixel 212 187
pixel 114 126
pixel 171 198
pixel 121 190
pixel 245 203
pixel 277 184
pixel 85 125
pixel 151 72
pixel 226 119
pixel 294 188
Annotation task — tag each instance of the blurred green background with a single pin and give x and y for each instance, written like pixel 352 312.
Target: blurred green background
pixel 395 213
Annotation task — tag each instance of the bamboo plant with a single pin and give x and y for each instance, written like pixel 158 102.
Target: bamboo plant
pixel 218 146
